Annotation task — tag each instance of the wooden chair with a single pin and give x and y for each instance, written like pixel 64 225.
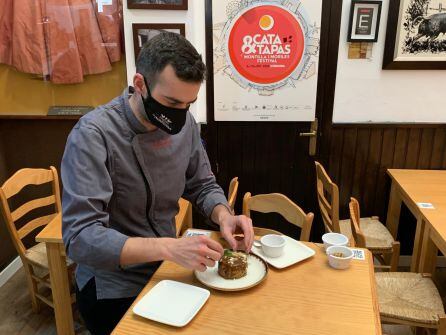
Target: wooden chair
pixel 260 231
pixel 379 240
pixel 376 235
pixel 405 298
pixel 278 203
pixel 232 192
pixel 34 259
pixel 328 199
pixel 411 299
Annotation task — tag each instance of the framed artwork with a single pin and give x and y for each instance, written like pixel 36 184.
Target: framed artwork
pixel 157 4
pixel 416 35
pixel 364 21
pixel 263 57
pixel 142 32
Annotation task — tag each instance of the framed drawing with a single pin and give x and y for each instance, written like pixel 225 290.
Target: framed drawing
pixel 416 35
pixel 364 21
pixel 157 4
pixel 142 32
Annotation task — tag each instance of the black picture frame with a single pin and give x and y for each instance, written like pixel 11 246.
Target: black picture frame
pixel 389 62
pixel 351 23
pixel 181 27
pixel 182 6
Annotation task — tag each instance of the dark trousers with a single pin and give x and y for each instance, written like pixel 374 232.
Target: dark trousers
pixel 100 316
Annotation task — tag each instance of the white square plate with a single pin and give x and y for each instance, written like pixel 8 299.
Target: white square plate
pixel 293 253
pixel 172 303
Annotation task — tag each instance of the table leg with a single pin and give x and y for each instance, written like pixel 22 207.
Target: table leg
pixel 60 289
pixel 393 212
pixel 429 251
pixel 417 245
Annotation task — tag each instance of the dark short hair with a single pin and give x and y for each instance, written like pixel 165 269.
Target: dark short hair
pixel 170 48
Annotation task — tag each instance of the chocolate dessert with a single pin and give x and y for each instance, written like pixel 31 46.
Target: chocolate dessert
pixel 233 265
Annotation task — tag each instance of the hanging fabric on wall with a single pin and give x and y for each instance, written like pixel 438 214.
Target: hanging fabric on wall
pixel 63 40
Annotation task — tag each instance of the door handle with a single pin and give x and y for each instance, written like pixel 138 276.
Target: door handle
pixel 312 134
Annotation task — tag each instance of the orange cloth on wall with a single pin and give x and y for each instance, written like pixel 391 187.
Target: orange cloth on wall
pixel 62 39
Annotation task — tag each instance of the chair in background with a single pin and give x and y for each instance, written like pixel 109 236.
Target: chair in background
pixel 364 236
pixel 278 203
pixel 328 199
pixel 34 259
pixel 405 298
pixel 232 192
pixel 412 299
pixel 375 233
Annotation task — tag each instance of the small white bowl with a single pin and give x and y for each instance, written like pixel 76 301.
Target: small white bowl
pixel 339 262
pixel 273 245
pixel 330 239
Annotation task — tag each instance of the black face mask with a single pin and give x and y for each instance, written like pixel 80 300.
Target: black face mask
pixel 171 120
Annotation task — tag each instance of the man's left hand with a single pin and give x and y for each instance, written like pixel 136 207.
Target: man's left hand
pixel 239 224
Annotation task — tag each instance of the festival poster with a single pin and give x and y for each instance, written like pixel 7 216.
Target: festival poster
pixel 266 57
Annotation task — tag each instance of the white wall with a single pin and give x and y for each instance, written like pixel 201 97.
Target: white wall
pixel 195 33
pixel 366 93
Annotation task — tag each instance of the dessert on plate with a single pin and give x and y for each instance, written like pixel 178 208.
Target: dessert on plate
pixel 233 265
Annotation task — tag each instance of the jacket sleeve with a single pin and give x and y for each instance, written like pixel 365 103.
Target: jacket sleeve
pixel 201 186
pixel 87 190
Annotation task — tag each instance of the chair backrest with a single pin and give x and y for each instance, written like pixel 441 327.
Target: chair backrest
pixel 355 216
pixel 279 203
pixel 328 199
pixel 13 186
pixel 232 192
pixel 260 231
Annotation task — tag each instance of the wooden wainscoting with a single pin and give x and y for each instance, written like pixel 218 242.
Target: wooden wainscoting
pixel 359 156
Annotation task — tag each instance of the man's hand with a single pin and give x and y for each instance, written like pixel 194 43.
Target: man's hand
pixel 230 225
pixel 196 252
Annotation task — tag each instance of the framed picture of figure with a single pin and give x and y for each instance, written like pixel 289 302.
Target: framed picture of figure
pixel 157 4
pixel 142 32
pixel 416 35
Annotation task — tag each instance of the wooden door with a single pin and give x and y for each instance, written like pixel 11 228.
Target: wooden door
pixel 271 156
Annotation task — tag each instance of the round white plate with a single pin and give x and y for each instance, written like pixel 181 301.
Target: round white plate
pixel 257 271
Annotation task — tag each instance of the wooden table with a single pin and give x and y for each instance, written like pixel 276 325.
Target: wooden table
pixel 434 237
pixel 52 236
pixel 306 298
pixel 412 187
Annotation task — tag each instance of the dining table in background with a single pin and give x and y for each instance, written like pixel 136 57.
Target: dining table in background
pixel 424 193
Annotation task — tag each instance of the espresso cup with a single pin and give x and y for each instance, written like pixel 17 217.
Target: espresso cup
pixel 273 245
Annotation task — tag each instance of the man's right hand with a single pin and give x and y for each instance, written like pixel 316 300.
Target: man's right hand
pixel 196 252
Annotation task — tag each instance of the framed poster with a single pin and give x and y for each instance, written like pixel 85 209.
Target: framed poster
pixel 157 4
pixel 416 35
pixel 142 32
pixel 364 21
pixel 265 59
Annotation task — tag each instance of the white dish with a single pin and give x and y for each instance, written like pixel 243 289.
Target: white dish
pixel 339 262
pixel 293 253
pixel 331 239
pixel 256 272
pixel 172 303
